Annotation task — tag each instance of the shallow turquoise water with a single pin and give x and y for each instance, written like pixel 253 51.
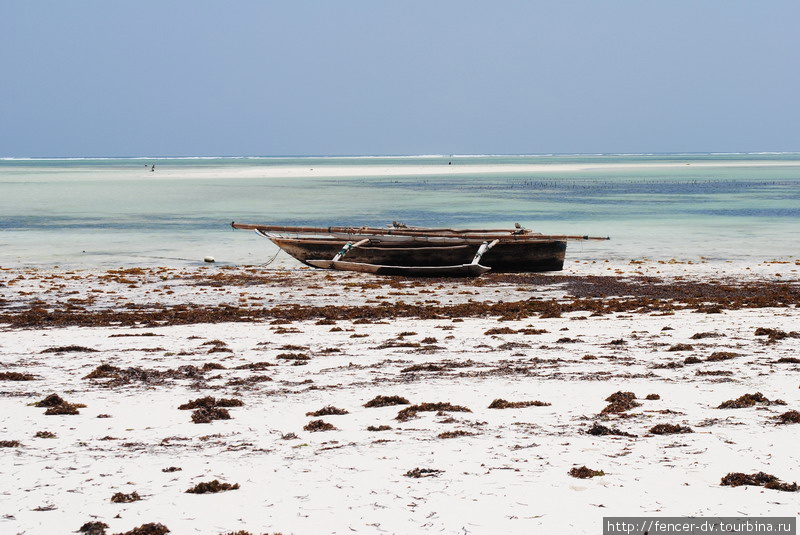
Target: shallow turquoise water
pixel 114 212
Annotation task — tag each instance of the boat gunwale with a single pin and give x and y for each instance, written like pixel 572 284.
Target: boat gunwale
pixel 369 247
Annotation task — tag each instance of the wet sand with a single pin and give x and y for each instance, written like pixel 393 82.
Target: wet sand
pixel 284 352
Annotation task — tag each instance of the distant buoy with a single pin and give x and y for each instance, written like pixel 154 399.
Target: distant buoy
pixel 209 259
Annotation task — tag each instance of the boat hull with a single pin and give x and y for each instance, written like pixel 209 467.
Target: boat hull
pixel 463 270
pixel 505 257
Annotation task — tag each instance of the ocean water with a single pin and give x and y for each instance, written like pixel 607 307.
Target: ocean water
pixel 101 213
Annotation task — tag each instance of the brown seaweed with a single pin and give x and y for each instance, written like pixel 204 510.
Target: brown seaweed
pixel 121 497
pixel 789 417
pixel 760 479
pixel 597 295
pixel 327 411
pixel 69 349
pixel 423 472
pixel 318 425
pixel 148 529
pixel 209 402
pixel 17 376
pixel 584 473
pixel 749 400
pixel 385 401
pixel 455 434
pixel 669 429
pixel 503 404
pixel 411 411
pixel 52 400
pixel 208 487
pixel 601 430
pixel 718 356
pixel 205 415
pixel 93 528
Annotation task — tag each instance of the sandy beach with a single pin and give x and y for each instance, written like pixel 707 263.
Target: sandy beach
pixel 291 358
pixel 171 364
pixel 413 170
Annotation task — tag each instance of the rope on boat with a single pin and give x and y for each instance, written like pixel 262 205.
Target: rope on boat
pixel 271 260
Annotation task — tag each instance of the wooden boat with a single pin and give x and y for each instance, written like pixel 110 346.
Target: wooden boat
pixel 415 251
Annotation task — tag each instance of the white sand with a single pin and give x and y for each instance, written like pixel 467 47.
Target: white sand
pixel 359 171
pixel 509 477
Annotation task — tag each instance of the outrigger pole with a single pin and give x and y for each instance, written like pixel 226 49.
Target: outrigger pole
pixel 489 234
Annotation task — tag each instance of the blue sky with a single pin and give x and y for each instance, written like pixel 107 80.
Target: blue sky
pixel 159 78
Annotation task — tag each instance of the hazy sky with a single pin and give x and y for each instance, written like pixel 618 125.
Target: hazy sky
pixel 112 78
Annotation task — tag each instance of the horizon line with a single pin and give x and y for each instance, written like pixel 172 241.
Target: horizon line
pixel 388 156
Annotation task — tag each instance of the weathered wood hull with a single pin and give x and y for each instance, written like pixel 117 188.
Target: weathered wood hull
pixel 505 257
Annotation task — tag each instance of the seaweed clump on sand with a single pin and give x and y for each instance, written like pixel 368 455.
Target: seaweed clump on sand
pixel 53 400
pixel 652 397
pixel 16 376
pixel 503 404
pixel 499 330
pixel 379 428
pixel 255 366
pixel 93 528
pixel 642 294
pixel 56 405
pixel 789 417
pixel 760 479
pixel 148 529
pixel 620 402
pixel 428 367
pixel 585 473
pixel 69 349
pixel 104 371
pixel 209 408
pixel 700 336
pixel 749 400
pixel 455 434
pixel 119 376
pixel 423 472
pixel 601 430
pixel 773 335
pixel 330 410
pixel 385 401
pixel 209 487
pixel 670 429
pixel 10 444
pixel 210 402
pixel 718 356
pixel 44 434
pixel 121 497
pixel 293 356
pixel 411 411
pixel 621 396
pixel 318 425
pixel 206 415
pixel 681 347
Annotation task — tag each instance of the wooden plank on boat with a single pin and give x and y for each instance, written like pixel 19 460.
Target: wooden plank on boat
pixel 376 230
pixel 362 232
pixel 462 270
